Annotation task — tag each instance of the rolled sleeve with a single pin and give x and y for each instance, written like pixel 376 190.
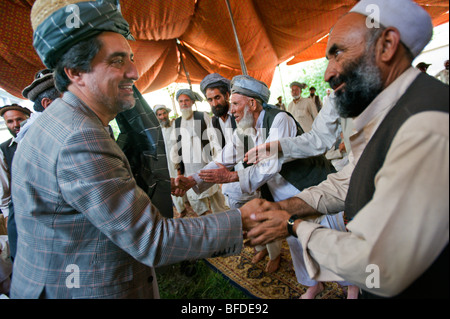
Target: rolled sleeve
pixel 304 232
pixel 329 196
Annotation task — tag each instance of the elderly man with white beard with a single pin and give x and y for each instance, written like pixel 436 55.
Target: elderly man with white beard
pixel 246 111
pixel 197 145
pixel 257 123
pixel 217 91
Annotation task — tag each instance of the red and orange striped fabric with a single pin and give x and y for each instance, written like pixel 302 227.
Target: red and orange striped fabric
pixel 270 32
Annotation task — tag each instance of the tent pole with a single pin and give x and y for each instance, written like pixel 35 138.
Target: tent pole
pixel 282 86
pixel 183 65
pixel 186 72
pixel 241 56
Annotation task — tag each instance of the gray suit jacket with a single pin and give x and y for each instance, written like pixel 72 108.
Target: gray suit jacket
pixel 86 230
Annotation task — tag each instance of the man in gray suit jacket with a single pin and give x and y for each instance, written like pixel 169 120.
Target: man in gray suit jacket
pixel 86 230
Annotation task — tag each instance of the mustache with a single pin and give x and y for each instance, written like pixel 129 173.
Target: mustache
pixel 335 82
pixel 350 73
pixel 126 82
pixel 363 83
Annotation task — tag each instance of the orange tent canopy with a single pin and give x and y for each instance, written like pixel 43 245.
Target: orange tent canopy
pixel 199 33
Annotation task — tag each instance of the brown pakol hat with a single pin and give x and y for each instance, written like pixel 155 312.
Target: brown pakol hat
pixel 43 80
pixel 15 107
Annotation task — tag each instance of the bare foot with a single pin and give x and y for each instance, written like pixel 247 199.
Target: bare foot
pixel 273 265
pixel 313 291
pixel 260 256
pixel 352 292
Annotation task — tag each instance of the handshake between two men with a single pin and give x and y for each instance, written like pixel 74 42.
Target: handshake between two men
pixel 263 221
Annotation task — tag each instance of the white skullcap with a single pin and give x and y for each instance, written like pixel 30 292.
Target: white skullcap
pixel 411 20
pixel 161 106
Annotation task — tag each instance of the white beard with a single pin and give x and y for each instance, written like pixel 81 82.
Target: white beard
pixel 245 125
pixel 186 113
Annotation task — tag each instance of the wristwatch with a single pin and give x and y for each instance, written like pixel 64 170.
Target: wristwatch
pixel 290 224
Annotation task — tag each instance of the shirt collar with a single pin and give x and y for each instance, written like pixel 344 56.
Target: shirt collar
pixel 227 120
pixel 13 140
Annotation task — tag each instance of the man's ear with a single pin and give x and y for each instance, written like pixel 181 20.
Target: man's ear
pixel 45 102
pixel 253 105
pixel 75 76
pixel 388 45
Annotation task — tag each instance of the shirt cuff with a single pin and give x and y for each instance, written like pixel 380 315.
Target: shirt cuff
pixel 305 231
pixel 243 182
pixel 201 185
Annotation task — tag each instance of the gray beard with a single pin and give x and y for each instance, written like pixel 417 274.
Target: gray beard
pixel 186 113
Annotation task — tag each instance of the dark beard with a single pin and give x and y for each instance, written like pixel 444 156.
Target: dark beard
pixel 220 110
pixel 363 83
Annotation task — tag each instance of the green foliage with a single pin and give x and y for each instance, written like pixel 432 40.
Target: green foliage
pixel 205 284
pixel 115 128
pixel 311 72
pixel 313 75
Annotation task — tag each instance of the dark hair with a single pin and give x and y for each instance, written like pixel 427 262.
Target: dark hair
pixel 78 57
pixel 51 94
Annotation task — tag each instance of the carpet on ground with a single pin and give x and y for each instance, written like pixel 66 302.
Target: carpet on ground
pixel 256 283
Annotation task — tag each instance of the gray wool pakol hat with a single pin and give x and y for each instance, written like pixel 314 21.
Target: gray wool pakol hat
pixel 214 80
pixel 248 86
pixel 194 96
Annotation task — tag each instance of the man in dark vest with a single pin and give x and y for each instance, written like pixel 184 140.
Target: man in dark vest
pixel 42 93
pixel 395 189
pixel 197 145
pixel 315 98
pixel 258 122
pixel 13 115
